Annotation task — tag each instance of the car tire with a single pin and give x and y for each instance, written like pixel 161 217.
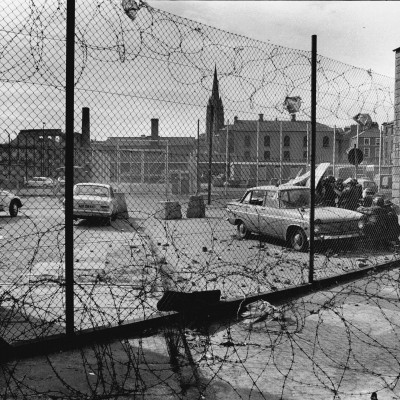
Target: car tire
pixel 298 240
pixel 242 231
pixel 13 208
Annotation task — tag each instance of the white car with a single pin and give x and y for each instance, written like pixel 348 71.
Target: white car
pixel 9 203
pixel 40 181
pixel 284 212
pixel 94 201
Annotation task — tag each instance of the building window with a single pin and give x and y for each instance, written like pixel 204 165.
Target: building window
pixel 247 155
pixel 305 141
pixel 325 141
pixel 366 141
pixel 267 155
pixel 247 141
pixel 377 141
pixel 286 155
pixel 286 141
pixel 267 141
pixel 377 152
pixel 305 154
pixel 366 152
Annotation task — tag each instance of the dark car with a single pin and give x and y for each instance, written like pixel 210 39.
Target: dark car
pixel 382 224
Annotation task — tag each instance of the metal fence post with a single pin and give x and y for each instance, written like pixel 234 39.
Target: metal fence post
pixel 210 150
pixel 69 168
pixel 312 172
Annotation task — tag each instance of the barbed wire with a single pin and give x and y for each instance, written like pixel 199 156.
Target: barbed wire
pixel 131 65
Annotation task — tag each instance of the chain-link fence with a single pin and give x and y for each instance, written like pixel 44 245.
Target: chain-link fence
pixel 175 122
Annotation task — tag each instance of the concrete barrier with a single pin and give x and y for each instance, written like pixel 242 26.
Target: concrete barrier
pixel 122 208
pixel 169 210
pixel 196 207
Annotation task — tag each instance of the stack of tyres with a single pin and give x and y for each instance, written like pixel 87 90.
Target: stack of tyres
pixel 196 207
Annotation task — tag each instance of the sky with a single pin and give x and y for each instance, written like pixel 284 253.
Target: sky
pixel 129 70
pixel 359 33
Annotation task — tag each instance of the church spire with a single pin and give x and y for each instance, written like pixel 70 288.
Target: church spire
pixel 215 90
pixel 214 102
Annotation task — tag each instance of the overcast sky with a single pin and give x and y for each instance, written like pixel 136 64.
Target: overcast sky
pixel 359 33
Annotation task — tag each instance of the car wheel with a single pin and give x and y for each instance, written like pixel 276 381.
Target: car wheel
pixel 242 231
pixel 13 209
pixel 107 221
pixel 298 240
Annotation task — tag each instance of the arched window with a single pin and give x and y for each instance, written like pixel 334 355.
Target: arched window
pixel 305 140
pixel 286 141
pixel 325 141
pixel 267 141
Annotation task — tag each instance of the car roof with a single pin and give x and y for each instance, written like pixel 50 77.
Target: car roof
pixel 276 188
pixel 93 184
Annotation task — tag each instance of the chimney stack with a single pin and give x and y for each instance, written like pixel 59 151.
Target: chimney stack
pixel 293 117
pixel 85 138
pixel 154 129
pixel 261 117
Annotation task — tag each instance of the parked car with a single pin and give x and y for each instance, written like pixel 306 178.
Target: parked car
pixel 40 181
pixel 218 180
pixel 284 211
pixel 368 184
pixel 10 203
pixel 94 201
pixel 383 223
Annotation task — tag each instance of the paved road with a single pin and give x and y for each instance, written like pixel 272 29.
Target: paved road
pixel 116 269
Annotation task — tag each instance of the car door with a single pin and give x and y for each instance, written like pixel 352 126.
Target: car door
pixel 255 210
pixel 268 212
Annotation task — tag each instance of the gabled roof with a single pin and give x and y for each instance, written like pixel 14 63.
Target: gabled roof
pixel 147 140
pixel 371 132
pixel 274 126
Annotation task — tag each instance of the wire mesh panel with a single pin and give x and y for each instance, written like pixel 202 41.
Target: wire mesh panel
pixel 192 152
pixel 192 174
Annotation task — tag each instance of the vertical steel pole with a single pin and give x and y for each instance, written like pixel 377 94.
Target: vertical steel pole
pixel 69 168
pixel 280 152
pixel 380 157
pixel 226 158
pixel 313 136
pixel 258 150
pixel 198 158
pixel 308 147
pixel 334 151
pixel 210 150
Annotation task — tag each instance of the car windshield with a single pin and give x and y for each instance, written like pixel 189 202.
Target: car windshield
pixel 295 198
pixel 91 190
pixel 368 184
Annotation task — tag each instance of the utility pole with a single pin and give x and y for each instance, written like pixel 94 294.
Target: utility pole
pixel 9 155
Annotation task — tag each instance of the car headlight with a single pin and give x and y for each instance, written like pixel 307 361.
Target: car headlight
pixel 361 224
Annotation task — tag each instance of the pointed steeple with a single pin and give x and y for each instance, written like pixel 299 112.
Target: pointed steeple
pixel 215 102
pixel 215 90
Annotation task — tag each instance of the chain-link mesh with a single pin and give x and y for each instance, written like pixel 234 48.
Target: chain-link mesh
pixel 191 165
